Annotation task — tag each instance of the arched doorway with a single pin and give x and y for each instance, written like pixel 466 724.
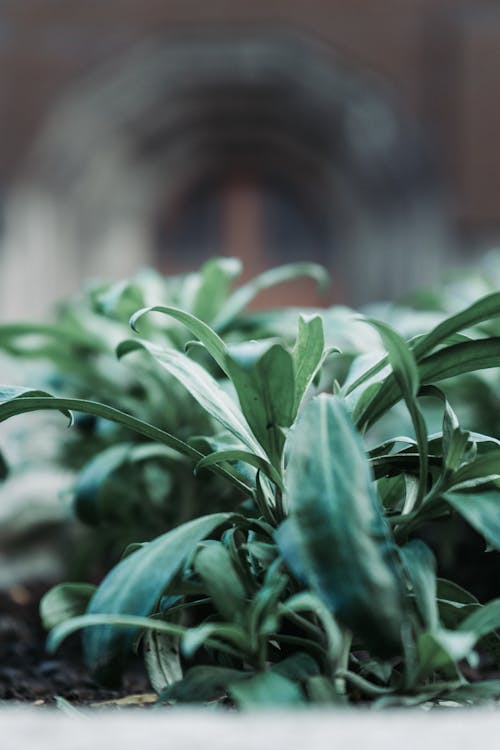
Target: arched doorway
pixel 255 144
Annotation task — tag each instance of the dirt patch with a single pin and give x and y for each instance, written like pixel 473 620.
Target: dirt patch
pixel 28 674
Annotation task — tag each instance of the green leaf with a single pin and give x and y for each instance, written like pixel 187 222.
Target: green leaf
pixel 307 356
pixel 212 342
pixel 306 601
pixel 134 586
pixel 16 400
pixel 420 566
pixel 449 362
pixel 460 358
pixel 298 667
pixel 216 277
pixel 162 659
pixel 481 470
pixel 44 339
pixel 92 478
pixel 196 637
pixel 263 375
pixel 336 538
pixel 202 684
pixel 202 386
pixel 405 371
pixel 4 467
pixel 246 293
pixel 392 491
pixel 480 311
pixel 441 650
pixel 476 693
pixel 64 601
pixel 481 510
pixel 482 621
pixel 214 565
pixel 455 440
pixel 117 622
pixel 452 592
pixel 232 455
pixel 29 401
pixel 128 623
pixel 263 615
pixel 322 692
pixel 266 690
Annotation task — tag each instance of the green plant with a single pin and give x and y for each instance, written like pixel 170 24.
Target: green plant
pixel 475 393
pixel 125 488
pixel 317 587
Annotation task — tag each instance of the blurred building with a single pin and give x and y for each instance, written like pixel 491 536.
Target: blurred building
pixel 361 134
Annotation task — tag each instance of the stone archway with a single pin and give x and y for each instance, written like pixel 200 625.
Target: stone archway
pixel 276 108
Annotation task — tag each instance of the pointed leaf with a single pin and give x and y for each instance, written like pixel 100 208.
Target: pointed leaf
pixel 214 565
pixel 38 401
pixel 134 586
pixel 266 690
pixel 307 355
pixel 202 684
pixel 441 650
pixel 263 376
pixel 64 601
pixel 212 342
pixel 246 293
pixel 481 510
pixel 336 536
pixel 480 311
pixel 216 277
pixel 481 470
pixel 241 456
pixel 92 478
pixel 448 362
pixel 420 566
pixel 405 371
pixel 202 386
pixel 162 659
pixel 483 620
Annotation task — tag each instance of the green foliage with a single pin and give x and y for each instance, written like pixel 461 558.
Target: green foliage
pixel 127 488
pixel 318 585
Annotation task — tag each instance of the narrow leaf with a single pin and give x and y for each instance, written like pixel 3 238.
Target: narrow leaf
pixel 246 293
pixel 263 375
pixel 162 659
pixel 266 690
pixel 307 355
pixel 211 340
pixel 202 386
pixel 480 311
pixel 214 565
pixel 242 456
pixel 405 371
pixel 336 538
pixel 64 601
pixel 481 510
pixel 202 684
pixel 134 586
pixel 420 566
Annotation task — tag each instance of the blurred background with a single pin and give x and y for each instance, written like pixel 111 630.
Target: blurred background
pixel 362 134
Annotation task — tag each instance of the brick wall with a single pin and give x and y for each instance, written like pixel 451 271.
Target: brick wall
pixel 440 58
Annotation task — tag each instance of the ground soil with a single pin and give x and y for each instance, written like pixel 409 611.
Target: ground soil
pixel 30 675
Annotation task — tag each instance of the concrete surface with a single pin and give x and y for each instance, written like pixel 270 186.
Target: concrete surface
pixel 23 729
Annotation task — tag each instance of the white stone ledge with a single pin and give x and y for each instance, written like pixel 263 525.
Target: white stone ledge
pixel 187 729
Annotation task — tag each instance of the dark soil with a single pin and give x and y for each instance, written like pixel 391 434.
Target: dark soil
pixel 30 675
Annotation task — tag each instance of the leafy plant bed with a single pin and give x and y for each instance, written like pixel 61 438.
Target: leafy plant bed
pixel 319 576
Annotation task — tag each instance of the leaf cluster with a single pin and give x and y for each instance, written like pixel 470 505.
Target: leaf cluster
pixel 317 585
